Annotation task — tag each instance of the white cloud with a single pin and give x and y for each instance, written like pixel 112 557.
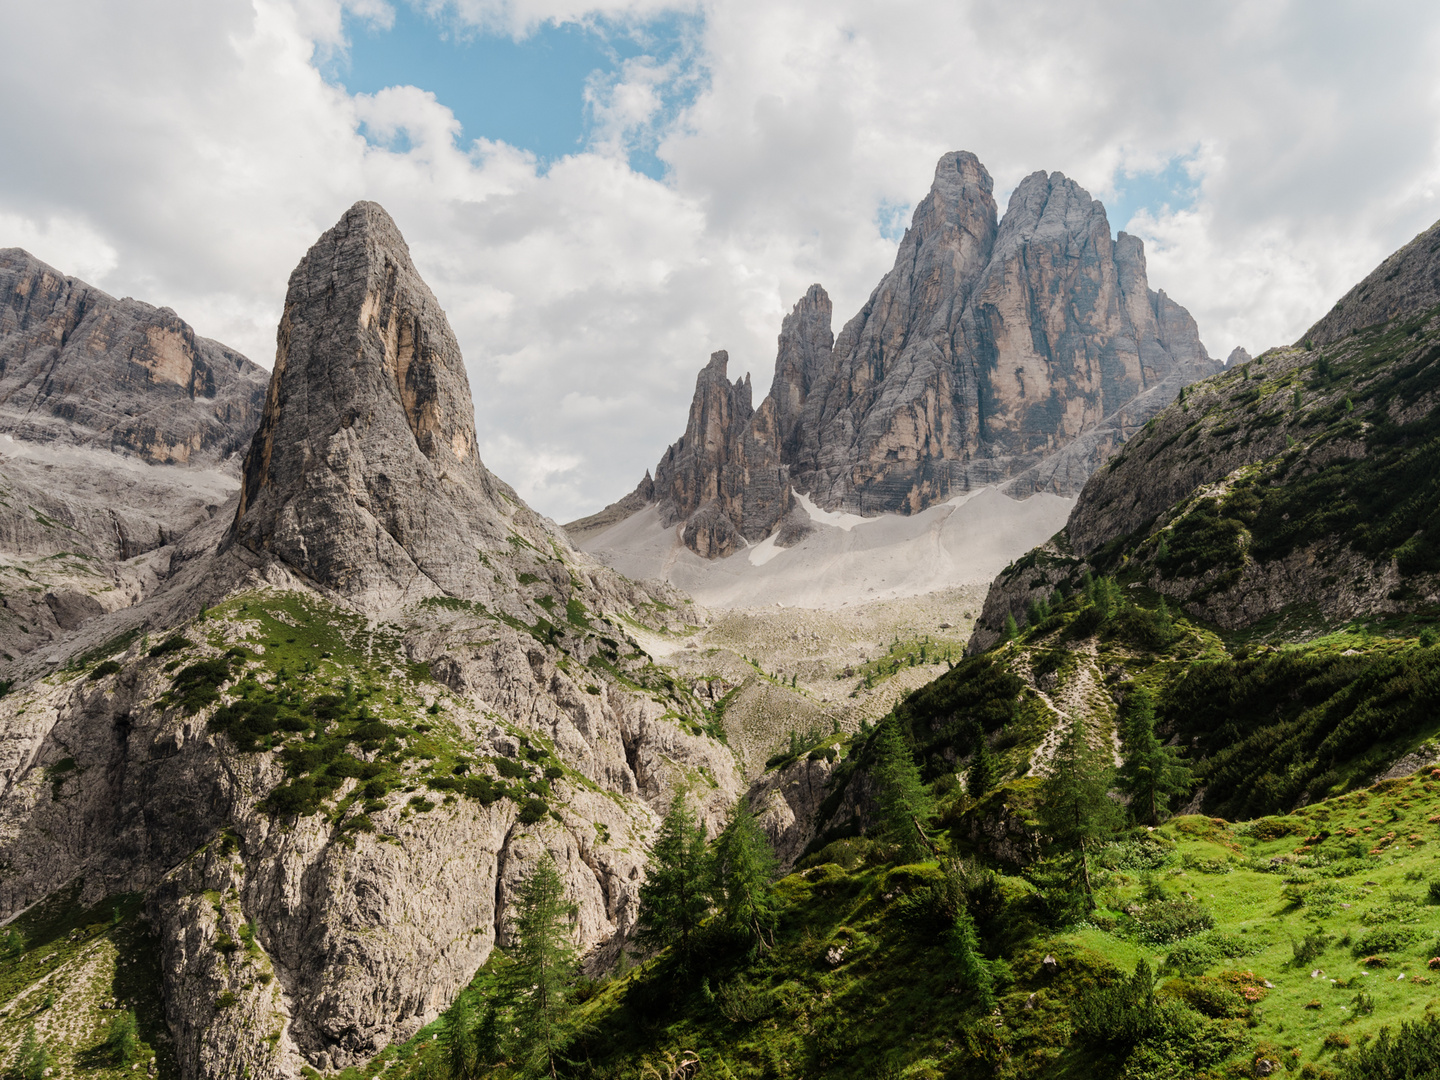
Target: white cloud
pixel 188 154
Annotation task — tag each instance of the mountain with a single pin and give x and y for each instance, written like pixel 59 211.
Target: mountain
pixel 309 770
pixel 1296 488
pixel 120 430
pixel 80 368
pixel 1016 352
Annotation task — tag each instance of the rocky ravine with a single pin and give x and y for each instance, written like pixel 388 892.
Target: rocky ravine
pixel 1020 351
pixel 373 593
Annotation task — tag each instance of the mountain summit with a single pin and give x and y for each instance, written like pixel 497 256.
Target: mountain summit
pixel 1018 351
pixel 365 474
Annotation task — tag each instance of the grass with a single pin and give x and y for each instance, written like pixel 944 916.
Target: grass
pixel 81 960
pixel 858 983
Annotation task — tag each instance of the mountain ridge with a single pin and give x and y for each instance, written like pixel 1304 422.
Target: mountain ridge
pixel 1018 350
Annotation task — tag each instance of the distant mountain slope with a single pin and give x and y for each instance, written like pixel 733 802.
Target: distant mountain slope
pixel 1018 351
pixel 1303 481
pixel 78 366
pixel 120 430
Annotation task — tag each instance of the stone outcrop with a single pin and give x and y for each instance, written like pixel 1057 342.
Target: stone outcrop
pixel 366 520
pixel 723 478
pixel 1408 282
pixel 1019 351
pixel 120 430
pixel 365 474
pixel 79 367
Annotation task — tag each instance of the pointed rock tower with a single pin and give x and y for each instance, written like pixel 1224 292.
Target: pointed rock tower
pixel 1018 351
pixel 365 474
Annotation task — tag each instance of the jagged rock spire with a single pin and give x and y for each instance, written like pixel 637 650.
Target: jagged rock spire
pixel 365 473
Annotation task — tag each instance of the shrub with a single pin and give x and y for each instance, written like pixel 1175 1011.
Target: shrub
pixel 1308 949
pixel 174 643
pixel 1164 922
pixel 198 685
pixel 1412 1051
pixel 532 810
pixel 1384 939
pixel 109 667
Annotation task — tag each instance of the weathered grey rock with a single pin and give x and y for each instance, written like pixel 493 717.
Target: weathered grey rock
pixel 723 477
pixel 79 367
pixel 1408 282
pixel 1237 356
pixel 365 474
pixel 1020 352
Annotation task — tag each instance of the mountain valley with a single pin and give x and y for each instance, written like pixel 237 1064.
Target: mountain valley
pixel 1016 691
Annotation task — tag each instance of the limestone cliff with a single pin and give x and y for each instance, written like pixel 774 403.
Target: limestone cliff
pixel 79 367
pixel 366 698
pixel 120 429
pixel 1020 351
pixel 1271 490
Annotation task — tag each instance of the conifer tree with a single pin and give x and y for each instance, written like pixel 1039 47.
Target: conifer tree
pixel 904 802
pixel 544 965
pixel 1075 807
pixel 964 947
pixel 1011 629
pixel 1153 774
pixel 744 874
pixel 675 897
pixel 34 1057
pixel 981 777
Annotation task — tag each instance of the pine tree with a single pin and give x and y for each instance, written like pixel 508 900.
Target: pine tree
pixel 1075 808
pixel 471 1041
pixel 1153 774
pixel 744 873
pixel 544 965
pixel 1011 630
pixel 964 946
pixel 675 898
pixel 123 1039
pixel 904 802
pixel 34 1056
pixel 981 777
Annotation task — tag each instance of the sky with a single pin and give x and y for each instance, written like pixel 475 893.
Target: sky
pixel 602 192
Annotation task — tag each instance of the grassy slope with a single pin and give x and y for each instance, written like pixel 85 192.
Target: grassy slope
pixel 75 964
pixel 890 1004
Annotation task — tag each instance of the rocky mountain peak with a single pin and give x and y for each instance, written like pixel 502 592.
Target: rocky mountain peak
pixel 1016 352
pixel 365 473
pixel 1407 282
pixel 81 368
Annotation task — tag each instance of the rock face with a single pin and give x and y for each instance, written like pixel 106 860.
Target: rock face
pixel 79 367
pixel 723 478
pixel 120 430
pixel 1270 488
pixel 1408 282
pixel 1021 352
pixel 364 474
pixel 502 658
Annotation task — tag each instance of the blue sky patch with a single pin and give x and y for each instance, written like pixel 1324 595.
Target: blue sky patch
pixel 1171 186
pixel 893 218
pixel 529 93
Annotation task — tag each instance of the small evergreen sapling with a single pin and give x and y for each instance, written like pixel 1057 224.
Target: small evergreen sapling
pixel 539 980
pixel 1153 775
pixel 982 775
pixel 904 802
pixel 1076 810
